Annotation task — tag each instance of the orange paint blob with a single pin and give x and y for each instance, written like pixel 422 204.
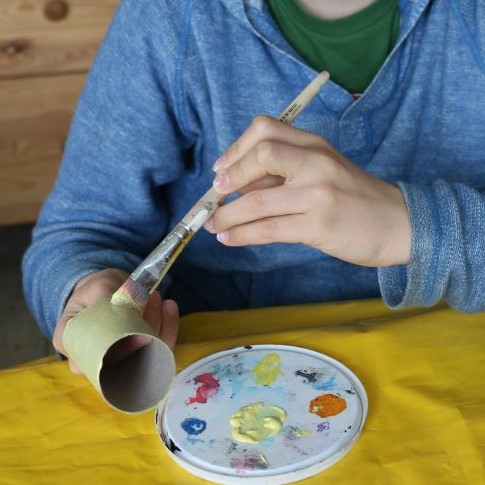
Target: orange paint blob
pixel 327 405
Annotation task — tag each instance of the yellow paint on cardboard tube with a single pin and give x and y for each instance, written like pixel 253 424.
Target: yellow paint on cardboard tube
pixel 256 422
pixel 137 383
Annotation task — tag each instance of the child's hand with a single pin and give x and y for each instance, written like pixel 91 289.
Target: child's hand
pixel 298 189
pixel 162 316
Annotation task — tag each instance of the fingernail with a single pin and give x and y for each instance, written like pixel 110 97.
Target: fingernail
pixel 221 182
pixel 156 299
pixel 223 237
pixel 209 225
pixel 74 368
pixel 218 163
pixel 171 308
pixel 140 340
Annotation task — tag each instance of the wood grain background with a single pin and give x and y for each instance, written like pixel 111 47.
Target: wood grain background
pixel 46 49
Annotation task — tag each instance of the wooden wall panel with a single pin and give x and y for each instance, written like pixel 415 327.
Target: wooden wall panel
pixel 50 36
pixel 46 50
pixel 35 116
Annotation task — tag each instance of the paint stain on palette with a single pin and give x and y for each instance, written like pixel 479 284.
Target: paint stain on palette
pixel 268 414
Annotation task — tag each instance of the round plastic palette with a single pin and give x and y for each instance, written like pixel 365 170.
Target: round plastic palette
pixel 324 402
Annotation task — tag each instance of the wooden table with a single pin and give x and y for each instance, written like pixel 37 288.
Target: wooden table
pixel 423 371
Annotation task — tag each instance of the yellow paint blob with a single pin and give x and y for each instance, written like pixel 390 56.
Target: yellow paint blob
pixel 301 432
pixel 267 369
pixel 256 422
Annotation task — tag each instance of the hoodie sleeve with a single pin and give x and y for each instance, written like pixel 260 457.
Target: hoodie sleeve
pixel 125 144
pixel 448 250
pixel 448 220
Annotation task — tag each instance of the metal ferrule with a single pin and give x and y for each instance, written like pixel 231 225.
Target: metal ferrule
pixel 155 266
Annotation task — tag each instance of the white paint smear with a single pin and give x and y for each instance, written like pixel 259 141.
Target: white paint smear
pixel 199 220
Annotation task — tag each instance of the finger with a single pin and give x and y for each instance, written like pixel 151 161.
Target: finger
pixel 153 311
pixel 259 204
pixel 283 229
pixel 85 294
pixel 265 128
pixel 57 342
pixel 270 158
pixel 263 183
pixel 170 323
pixel 57 338
pixel 74 368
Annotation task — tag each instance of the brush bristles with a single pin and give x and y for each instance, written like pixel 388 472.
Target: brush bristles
pixel 132 295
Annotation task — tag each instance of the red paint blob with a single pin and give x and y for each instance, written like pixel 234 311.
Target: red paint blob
pixel 207 387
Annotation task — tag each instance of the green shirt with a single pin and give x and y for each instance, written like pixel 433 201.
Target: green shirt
pixel 351 48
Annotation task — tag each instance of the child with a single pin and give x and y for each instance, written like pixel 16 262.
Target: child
pixel 376 191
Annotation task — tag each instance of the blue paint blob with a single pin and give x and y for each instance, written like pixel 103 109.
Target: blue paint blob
pixel 327 385
pixel 235 374
pixel 194 441
pixel 317 378
pixel 193 426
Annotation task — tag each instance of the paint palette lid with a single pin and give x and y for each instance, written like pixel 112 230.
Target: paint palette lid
pixel 264 414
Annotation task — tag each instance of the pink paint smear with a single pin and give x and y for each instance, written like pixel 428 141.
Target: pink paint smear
pixel 207 387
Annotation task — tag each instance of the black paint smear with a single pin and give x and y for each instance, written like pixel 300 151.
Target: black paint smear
pixel 232 448
pixel 168 442
pixel 248 347
pixel 252 462
pixel 350 391
pixel 172 446
pixel 309 376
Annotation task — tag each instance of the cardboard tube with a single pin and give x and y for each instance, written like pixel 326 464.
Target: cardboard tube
pixel 141 380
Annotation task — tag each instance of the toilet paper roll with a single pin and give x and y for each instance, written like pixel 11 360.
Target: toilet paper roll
pixel 141 380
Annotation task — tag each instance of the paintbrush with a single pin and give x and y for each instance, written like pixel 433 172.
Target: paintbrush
pixel 136 290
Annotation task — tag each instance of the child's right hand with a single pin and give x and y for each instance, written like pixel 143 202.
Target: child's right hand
pixel 296 187
pixel 162 316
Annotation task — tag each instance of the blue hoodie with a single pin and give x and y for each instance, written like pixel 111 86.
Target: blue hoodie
pixel 176 82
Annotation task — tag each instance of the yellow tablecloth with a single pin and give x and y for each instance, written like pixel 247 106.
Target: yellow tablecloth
pixel 424 372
